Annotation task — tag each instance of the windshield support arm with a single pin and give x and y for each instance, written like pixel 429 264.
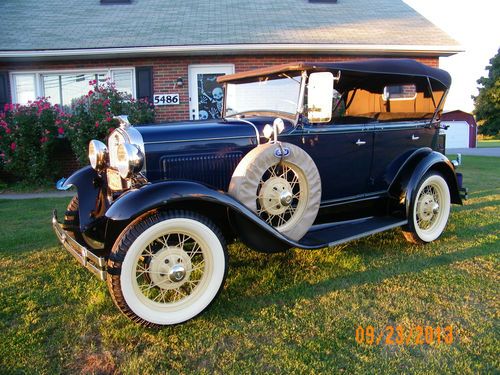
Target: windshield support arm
pixel 300 104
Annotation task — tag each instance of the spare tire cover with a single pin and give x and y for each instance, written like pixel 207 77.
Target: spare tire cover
pixel 280 183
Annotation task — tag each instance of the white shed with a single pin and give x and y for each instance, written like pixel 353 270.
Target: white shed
pixel 457 134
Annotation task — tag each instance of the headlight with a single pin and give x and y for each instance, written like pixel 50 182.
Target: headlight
pixel 98 153
pixel 129 159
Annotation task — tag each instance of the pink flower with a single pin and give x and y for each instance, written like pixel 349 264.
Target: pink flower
pixel 106 102
pixel 58 122
pixel 109 119
pixel 8 131
pixel 90 93
pixel 60 130
pixel 93 82
pixel 13 146
pixel 43 139
pixel 97 124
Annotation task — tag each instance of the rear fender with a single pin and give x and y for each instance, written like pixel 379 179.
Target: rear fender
pixel 87 183
pixel 437 162
pixel 187 194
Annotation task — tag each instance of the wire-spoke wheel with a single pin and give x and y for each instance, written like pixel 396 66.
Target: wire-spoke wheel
pixel 281 184
pixel 174 264
pixel 279 195
pixel 430 209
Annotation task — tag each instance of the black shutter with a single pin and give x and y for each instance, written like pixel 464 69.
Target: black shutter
pixel 4 91
pixel 144 81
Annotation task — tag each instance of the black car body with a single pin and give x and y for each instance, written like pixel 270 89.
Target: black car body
pixel 307 155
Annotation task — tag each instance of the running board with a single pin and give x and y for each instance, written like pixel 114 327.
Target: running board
pixel 328 235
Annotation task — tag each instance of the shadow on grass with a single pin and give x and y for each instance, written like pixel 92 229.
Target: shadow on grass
pixel 413 264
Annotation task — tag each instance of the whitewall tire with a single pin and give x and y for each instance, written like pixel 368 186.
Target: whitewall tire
pixel 429 210
pixel 172 266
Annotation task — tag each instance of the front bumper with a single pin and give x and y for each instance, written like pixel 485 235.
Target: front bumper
pixel 94 263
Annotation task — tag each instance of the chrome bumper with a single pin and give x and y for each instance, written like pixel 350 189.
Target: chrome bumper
pixel 94 263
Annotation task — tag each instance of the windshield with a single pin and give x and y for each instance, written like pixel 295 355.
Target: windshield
pixel 269 94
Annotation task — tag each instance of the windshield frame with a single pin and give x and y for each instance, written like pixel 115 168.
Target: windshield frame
pixel 292 116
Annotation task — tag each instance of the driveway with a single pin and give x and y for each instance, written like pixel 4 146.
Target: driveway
pixel 490 151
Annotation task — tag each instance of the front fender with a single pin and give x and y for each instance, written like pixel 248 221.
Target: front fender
pixel 161 194
pixel 440 163
pixel 87 183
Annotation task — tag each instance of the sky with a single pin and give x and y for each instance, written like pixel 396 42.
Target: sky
pixel 476 26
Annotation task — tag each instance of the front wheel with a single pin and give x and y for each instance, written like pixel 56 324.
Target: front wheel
pixel 429 209
pixel 173 265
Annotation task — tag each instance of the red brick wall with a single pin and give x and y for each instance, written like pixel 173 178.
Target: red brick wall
pixel 166 70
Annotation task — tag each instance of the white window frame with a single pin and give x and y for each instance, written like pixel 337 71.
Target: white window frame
pixel 39 81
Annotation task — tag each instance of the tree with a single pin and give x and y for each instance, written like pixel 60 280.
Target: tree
pixel 487 103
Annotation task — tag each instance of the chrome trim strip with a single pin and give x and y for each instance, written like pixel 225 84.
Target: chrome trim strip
pixel 249 123
pixel 94 263
pixel 197 140
pixel 354 198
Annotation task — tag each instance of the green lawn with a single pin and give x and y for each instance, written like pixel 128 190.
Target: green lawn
pixel 294 312
pixel 488 143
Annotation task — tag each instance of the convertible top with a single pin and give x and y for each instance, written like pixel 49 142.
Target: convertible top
pixel 397 69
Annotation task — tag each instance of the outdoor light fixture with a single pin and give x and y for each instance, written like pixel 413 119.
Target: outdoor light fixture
pixel 179 82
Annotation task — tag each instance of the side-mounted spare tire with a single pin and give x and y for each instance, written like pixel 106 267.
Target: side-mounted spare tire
pixel 281 184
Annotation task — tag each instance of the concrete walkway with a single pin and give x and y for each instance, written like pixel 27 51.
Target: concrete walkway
pixel 49 194
pixel 490 151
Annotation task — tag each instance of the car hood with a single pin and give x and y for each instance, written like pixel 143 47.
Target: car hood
pixel 205 130
pixel 196 130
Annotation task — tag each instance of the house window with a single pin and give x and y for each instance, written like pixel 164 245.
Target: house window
pixel 24 87
pixel 64 87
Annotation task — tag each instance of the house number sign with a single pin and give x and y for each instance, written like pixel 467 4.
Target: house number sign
pixel 166 99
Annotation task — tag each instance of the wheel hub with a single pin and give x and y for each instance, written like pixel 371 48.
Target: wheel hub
pixel 275 195
pixel 170 267
pixel 428 207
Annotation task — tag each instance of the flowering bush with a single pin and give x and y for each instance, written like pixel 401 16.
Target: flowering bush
pixel 28 135
pixel 93 115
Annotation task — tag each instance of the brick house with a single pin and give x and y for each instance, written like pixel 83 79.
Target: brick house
pixel 149 47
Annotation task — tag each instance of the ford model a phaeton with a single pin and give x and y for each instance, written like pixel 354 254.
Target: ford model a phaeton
pixel 306 155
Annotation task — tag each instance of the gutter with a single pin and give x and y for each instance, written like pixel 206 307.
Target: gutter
pixel 231 49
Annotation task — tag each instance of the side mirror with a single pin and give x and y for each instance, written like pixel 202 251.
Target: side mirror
pixel 319 97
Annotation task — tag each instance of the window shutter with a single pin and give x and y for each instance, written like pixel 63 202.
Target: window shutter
pixel 144 82
pixel 4 91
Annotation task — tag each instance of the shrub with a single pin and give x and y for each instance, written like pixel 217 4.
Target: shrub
pixel 28 136
pixel 93 115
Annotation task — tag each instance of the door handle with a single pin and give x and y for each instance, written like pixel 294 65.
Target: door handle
pixel 359 142
pixel 414 138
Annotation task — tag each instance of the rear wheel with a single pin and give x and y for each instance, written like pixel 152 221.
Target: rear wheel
pixel 172 266
pixel 429 210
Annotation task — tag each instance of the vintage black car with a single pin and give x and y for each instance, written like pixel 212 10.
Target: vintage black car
pixel 307 155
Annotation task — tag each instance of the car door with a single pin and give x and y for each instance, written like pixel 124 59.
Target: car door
pixel 343 155
pixel 393 144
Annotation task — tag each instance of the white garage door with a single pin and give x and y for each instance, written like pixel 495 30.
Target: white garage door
pixel 457 134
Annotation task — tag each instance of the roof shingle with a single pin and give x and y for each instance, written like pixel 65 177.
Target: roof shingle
pixel 75 24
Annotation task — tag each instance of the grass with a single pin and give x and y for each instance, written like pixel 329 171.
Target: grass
pixel 293 312
pixel 488 143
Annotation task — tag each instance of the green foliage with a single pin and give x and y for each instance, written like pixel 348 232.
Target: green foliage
pixel 487 103
pixel 93 115
pixel 28 136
